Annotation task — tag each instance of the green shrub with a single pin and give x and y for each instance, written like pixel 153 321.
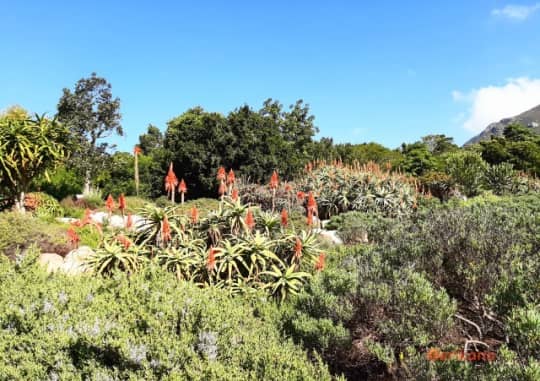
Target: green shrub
pixel 63 183
pixel 146 326
pixel 467 170
pixel 359 227
pixel 524 328
pixel 19 231
pixel 499 178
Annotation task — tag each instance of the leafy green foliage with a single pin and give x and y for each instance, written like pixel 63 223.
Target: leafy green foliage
pixel 29 147
pixel 145 326
pixel 467 170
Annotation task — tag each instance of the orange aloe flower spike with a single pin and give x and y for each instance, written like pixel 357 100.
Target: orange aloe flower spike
pixel 109 203
pixel 165 229
pixel 211 260
pixel 221 174
pixel 129 221
pixel 182 188
pixel 137 150
pixel 284 217
pixel 231 178
pixel 73 237
pixel 319 265
pixel 250 221
pixel 222 189
pixel 274 180
pixel 298 248
pixel 234 195
pixel 194 215
pixel 311 203
pixel 122 202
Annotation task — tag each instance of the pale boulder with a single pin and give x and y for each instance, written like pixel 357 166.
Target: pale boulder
pixel 52 261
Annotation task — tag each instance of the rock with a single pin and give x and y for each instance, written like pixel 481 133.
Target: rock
pixel 74 263
pixel 52 261
pixel 330 235
pixel 117 221
pixel 99 217
pixel 66 220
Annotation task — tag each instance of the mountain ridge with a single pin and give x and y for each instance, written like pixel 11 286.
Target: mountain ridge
pixel 529 118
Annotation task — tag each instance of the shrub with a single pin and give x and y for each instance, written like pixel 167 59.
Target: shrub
pixel 365 188
pixel 467 170
pixel 145 326
pixel 499 178
pixel 358 227
pixel 43 205
pixel 19 231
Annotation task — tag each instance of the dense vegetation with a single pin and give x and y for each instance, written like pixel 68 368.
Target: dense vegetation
pixel 441 250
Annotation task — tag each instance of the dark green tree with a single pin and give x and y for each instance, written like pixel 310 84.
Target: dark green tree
pixel 92 115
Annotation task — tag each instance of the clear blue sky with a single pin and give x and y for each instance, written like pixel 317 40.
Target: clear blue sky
pixel 372 71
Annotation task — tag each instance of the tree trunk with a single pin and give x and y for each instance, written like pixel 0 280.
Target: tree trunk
pixel 19 204
pixel 87 184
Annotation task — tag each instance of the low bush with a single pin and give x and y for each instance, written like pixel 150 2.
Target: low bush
pixel 145 326
pixel 19 231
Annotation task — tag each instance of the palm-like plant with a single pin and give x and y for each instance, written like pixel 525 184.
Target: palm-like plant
pixel 230 260
pixel 260 250
pixel 150 229
pixel 113 256
pixel 185 259
pixel 285 280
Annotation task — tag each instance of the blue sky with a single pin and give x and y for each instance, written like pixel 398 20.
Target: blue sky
pixel 387 71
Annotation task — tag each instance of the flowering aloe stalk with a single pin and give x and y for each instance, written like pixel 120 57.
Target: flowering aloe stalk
pixel 284 217
pixel 250 221
pixel 109 204
pixel 231 179
pixel 274 183
pixel 234 195
pixel 298 248
pixel 194 215
pixel 129 221
pixel 122 203
pixel 171 181
pixel 211 260
pixel 319 265
pixel 165 230
pixel 182 188
pixel 73 237
pixel 136 152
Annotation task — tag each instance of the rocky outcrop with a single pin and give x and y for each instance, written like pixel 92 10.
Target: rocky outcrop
pixel 72 264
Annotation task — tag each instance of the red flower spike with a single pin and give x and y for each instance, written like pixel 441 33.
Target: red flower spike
pixel 124 241
pixel 250 221
pixel 298 248
pixel 122 202
pixel 319 265
pixel 231 178
pixel 182 188
pixel 311 203
pixel 274 180
pixel 137 150
pixel 109 203
pixel 73 237
pixel 309 219
pixel 194 215
pixel 129 221
pixel 222 189
pixel 171 181
pixel 165 230
pixel 211 260
pixel 234 195
pixel 221 174
pixel 284 217
pixel 288 188
pixel 300 195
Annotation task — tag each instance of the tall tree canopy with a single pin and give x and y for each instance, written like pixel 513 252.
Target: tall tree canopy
pixel 91 114
pixel 253 142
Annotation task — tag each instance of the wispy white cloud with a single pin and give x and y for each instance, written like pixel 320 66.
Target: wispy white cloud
pixel 492 103
pixel 516 12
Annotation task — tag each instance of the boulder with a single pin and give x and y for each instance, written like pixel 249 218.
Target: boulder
pixel 74 263
pixel 52 261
